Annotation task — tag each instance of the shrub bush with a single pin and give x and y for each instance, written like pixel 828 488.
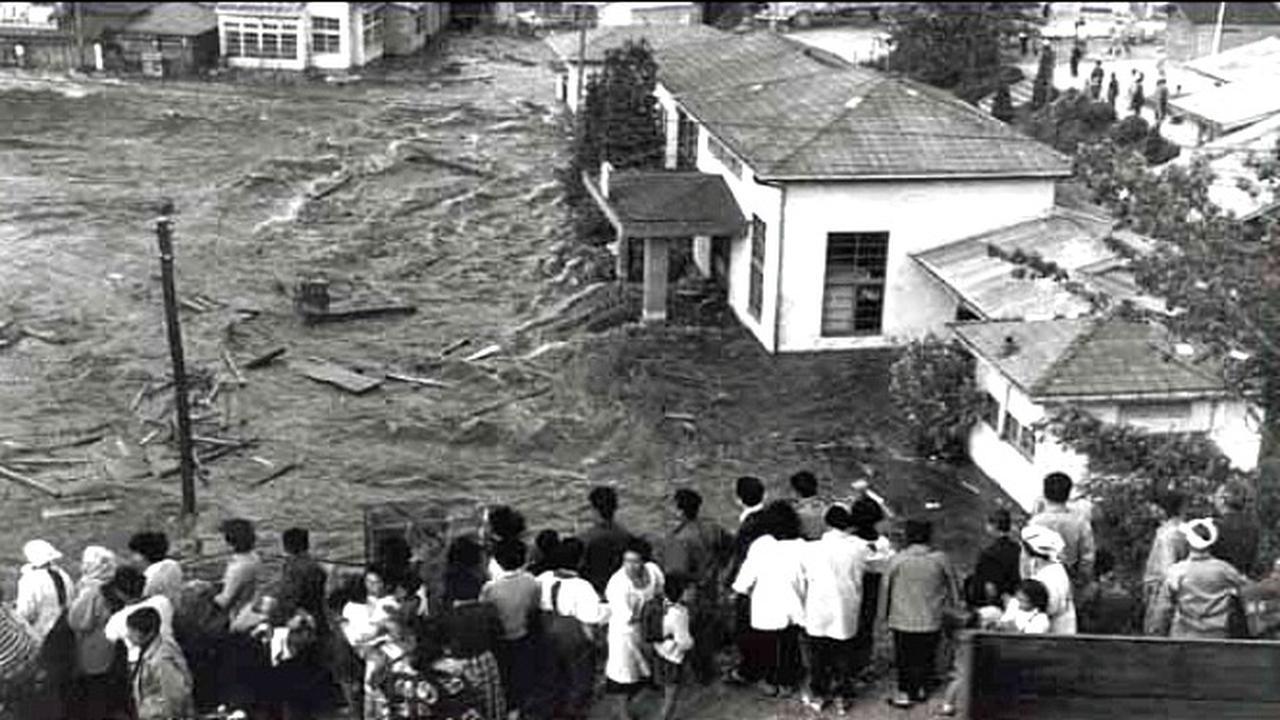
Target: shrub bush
pixel 932 384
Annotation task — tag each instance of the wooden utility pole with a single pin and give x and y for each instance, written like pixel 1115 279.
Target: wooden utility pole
pixel 164 233
pixel 582 55
pixel 1217 28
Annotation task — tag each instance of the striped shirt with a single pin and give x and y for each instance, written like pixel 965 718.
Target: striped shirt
pixel 18 649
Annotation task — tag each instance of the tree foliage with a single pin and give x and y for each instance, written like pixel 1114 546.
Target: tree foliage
pixel 1130 469
pixel 932 384
pixel 619 121
pixel 1219 275
pixel 954 46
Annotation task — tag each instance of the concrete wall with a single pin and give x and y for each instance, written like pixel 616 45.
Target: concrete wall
pixel 918 215
pixel 1228 423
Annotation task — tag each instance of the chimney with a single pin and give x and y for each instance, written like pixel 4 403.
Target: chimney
pixel 1010 347
pixel 606 170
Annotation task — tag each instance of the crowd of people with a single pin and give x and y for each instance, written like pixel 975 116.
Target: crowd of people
pixel 510 629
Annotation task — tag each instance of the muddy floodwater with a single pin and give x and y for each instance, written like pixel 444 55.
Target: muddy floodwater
pixel 431 183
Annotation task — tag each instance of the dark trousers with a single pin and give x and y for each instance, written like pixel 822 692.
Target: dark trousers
pixel 571 679
pixel 748 640
pixel 707 628
pixel 829 667
pixel 862 647
pixel 914 654
pixel 520 666
pixel 776 655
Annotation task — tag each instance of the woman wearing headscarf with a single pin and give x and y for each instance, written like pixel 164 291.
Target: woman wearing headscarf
pixel 1042 560
pixel 44 592
pixel 101 680
pixel 1198 592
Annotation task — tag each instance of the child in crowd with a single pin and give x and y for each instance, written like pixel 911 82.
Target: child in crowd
pixel 669 654
pixel 1025 614
pixel 1109 607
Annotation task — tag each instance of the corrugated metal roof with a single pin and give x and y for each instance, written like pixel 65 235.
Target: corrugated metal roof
pixel 1071 239
pixel 1240 62
pixel 1233 105
pixel 1091 357
pixel 261 8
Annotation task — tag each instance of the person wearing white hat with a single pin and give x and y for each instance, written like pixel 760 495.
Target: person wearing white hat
pixel 39 601
pixel 1042 560
pixel 1198 592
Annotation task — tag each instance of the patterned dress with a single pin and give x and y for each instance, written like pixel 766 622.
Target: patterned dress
pixel 444 692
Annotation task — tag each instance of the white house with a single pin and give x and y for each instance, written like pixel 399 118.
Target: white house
pixel 842 174
pixel 1120 372
pixel 648 13
pixel 297 36
pixel 572 75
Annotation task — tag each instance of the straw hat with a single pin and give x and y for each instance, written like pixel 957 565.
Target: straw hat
pixel 40 553
pixel 1201 534
pixel 1043 542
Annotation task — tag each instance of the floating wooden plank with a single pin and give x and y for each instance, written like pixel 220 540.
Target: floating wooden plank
pixel 341 312
pixel 137 399
pixel 425 382
pixel 231 365
pixel 98 507
pixel 43 336
pixel 222 442
pixel 28 482
pixel 49 461
pixel 265 359
pixel 485 352
pixel 681 417
pixel 336 375
pixel 282 470
pixel 454 347
pixel 498 405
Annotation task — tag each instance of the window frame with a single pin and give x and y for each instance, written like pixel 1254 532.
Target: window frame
pixel 755 287
pixel 371 28
pixel 990 412
pixel 326 35
pixel 1019 436
pixel 686 142
pixel 856 328
pixel 724 155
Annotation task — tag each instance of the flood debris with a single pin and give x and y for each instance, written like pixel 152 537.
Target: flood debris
pixel 93 507
pixel 486 352
pixel 232 367
pixel 333 374
pixel 28 482
pixel 265 358
pixel 276 473
pixel 424 382
pixel 455 346
pixel 312 301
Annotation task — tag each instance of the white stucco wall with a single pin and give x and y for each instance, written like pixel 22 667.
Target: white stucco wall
pixel 345 57
pixel 646 13
pixel 917 214
pixel 1228 423
pixel 298 62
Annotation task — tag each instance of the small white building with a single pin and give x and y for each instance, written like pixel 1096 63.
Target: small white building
pixel 1120 372
pixel 297 36
pixel 610 14
pixel 409 25
pixel 842 175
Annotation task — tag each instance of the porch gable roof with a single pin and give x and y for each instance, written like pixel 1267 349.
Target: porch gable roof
pixel 651 203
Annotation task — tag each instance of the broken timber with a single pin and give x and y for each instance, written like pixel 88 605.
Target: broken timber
pixel 498 405
pixel 97 507
pixel 28 482
pixel 340 311
pixel 332 374
pixel 231 365
pixel 282 470
pixel 425 382
pixel 265 359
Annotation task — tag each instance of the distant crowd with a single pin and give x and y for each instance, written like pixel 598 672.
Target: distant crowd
pixel 788 602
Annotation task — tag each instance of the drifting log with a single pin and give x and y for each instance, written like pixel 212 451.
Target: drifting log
pixel 28 482
pixel 486 352
pixel 231 365
pixel 486 409
pixel 265 359
pixel 425 382
pixel 282 470
pixel 455 347
pixel 98 507
pixel 49 461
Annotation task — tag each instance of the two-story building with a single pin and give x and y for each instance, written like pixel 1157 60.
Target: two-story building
pixel 1120 372
pixel 842 174
pixel 323 35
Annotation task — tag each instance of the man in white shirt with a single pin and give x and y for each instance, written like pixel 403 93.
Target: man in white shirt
pixel 833 568
pixel 129 583
pixel 574 612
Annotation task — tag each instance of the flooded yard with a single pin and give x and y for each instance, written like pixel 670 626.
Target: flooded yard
pixel 432 182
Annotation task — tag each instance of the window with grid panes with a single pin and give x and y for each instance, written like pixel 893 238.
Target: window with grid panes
pixel 991 411
pixel 372 28
pixel 270 40
pixel 288 41
pixel 853 292
pixel 231 31
pixel 326 35
pixel 1022 437
pixel 755 296
pixel 686 142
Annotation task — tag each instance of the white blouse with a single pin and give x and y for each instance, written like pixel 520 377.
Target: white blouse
pixel 772 575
